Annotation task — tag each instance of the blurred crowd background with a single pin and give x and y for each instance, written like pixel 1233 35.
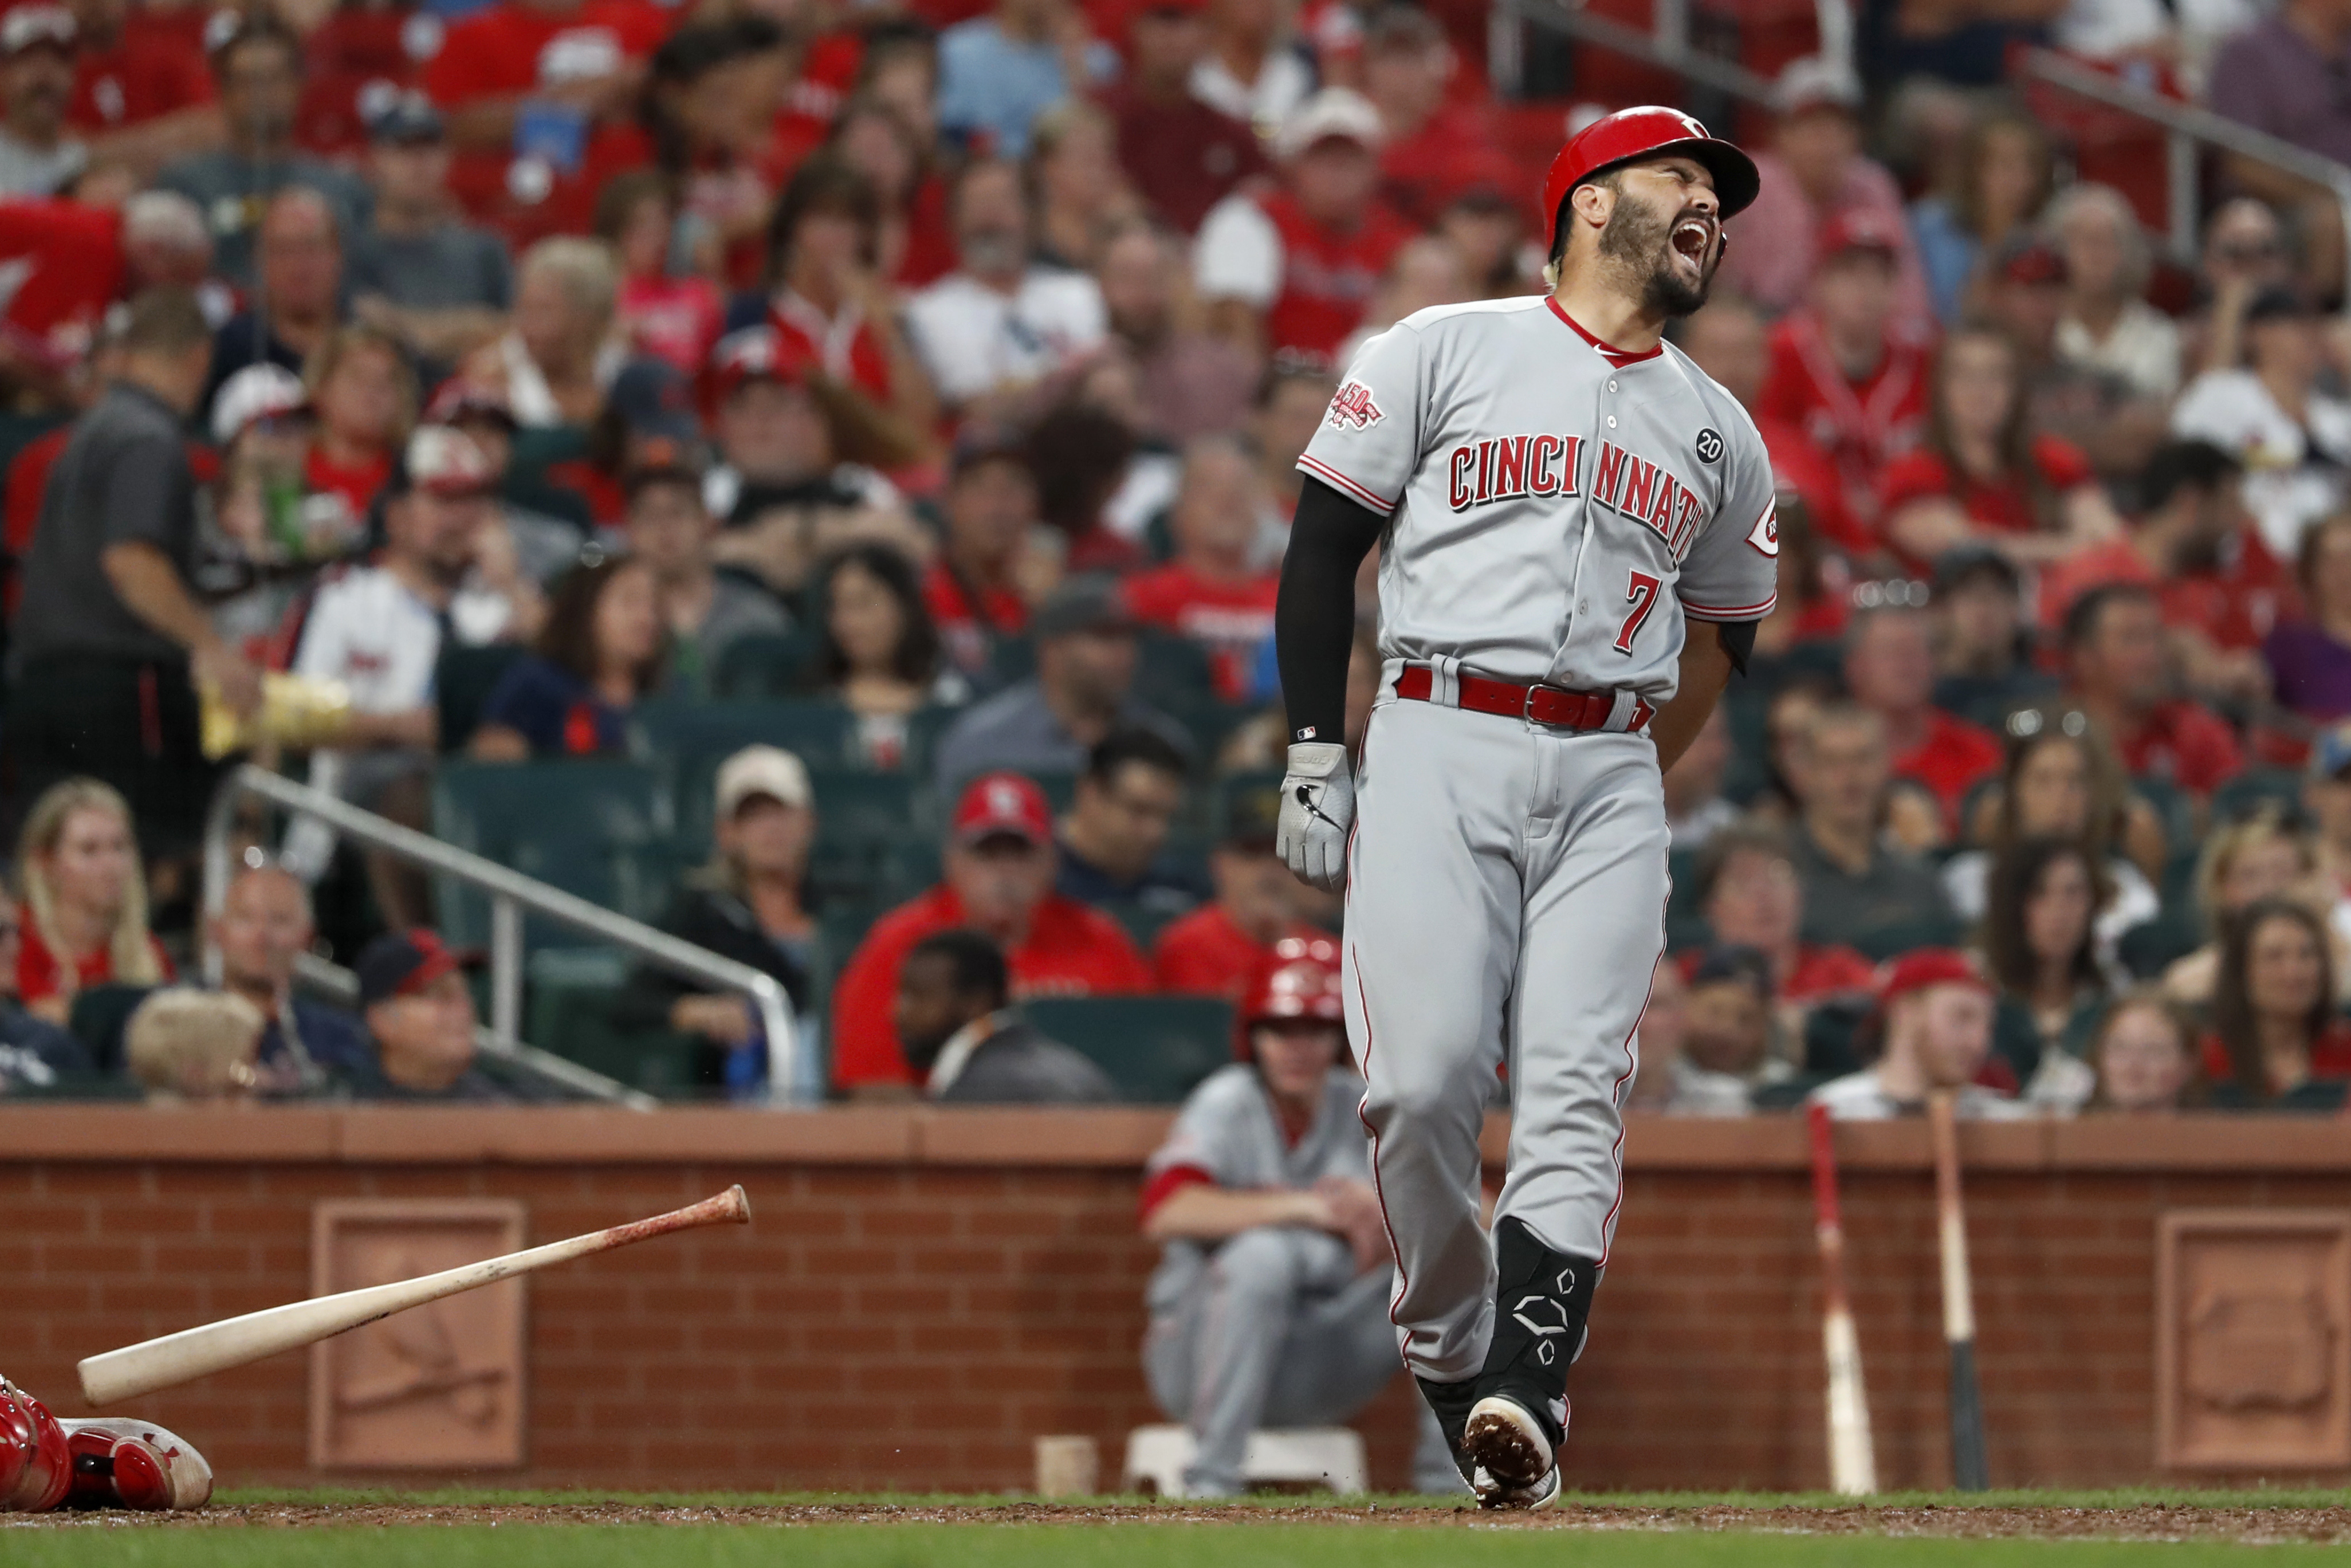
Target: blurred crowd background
pixel 815 476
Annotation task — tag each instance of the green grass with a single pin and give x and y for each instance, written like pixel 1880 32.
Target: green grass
pixel 1264 1545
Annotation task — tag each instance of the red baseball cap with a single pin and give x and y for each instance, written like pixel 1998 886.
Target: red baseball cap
pixel 1924 967
pixel 754 354
pixel 403 963
pixel 996 803
pixel 1857 228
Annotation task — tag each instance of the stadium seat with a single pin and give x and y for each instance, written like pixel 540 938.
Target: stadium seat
pixel 765 665
pixel 461 681
pixel 1787 1094
pixel 1155 1049
pixel 572 824
pixel 1169 668
pixel 571 1014
pixel 687 741
pixel 2153 945
pixel 1900 937
pixel 2248 792
pixel 97 1018
pixel 1142 923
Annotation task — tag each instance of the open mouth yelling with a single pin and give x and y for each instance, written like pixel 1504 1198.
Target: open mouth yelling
pixel 1693 241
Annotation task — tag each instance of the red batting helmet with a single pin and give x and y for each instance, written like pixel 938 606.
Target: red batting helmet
pixel 1299 979
pixel 35 1464
pixel 1630 134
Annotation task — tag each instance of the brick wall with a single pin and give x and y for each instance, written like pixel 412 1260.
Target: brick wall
pixel 923 1293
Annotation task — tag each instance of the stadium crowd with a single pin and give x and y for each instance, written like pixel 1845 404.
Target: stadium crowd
pixel 869 433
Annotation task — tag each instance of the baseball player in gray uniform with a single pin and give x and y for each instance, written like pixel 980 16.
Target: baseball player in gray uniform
pixel 1269 1304
pixel 1577 539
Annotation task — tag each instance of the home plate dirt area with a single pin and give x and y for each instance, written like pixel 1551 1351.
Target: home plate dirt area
pixel 456 1529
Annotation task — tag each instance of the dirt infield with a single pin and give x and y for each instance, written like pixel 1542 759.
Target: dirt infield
pixel 2143 1521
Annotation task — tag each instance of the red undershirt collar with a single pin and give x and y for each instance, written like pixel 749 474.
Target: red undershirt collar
pixel 1615 356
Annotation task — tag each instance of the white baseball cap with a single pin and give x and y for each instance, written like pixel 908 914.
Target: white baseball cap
pixel 29 25
pixel 769 770
pixel 1816 81
pixel 1334 111
pixel 445 460
pixel 256 393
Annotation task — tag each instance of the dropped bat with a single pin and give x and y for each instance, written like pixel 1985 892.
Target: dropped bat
pixel 177 1358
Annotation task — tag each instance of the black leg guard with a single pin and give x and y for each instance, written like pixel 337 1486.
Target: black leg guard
pixel 1541 1299
pixel 1451 1402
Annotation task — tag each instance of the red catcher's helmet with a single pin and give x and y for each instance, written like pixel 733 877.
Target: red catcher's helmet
pixel 1630 134
pixel 1299 979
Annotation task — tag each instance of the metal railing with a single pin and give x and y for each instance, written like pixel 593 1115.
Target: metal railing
pixel 2188 129
pixel 511 896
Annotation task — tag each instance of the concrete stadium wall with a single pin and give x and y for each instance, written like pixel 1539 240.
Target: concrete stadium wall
pixel 924 1291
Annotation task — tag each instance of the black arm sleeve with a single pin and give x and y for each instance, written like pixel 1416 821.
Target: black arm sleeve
pixel 1314 619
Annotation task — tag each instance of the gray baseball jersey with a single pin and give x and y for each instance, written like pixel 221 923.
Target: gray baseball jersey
pixel 1558 510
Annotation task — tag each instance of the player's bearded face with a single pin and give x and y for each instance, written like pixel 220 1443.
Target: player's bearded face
pixel 1670 251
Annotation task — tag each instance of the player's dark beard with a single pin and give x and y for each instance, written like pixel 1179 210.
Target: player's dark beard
pixel 1642 242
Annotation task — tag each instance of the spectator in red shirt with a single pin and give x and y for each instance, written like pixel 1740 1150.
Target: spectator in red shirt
pixel 1208 593
pixel 973 588
pixel 1214 950
pixel 1983 477
pixel 1839 372
pixel 998 881
pixel 142 93
pixel 364 394
pixel 1439 135
pixel 1750 893
pixel 1183 156
pixel 1731 341
pixel 2117 671
pixel 1889 667
pixel 2221 591
pixel 1294 268
pixel 85 899
pixel 827 303
pixel 1814 171
pixel 2274 1027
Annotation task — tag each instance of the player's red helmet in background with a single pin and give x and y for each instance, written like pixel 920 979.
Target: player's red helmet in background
pixel 1299 979
pixel 1649 132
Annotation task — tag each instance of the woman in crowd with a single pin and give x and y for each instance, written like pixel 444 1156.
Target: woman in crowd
pixel 552 368
pixel 2004 175
pixel 1983 477
pixel 2040 944
pixel 599 652
pixel 749 904
pixel 2062 780
pixel 880 655
pixel 1082 195
pixel 829 305
pixel 2108 325
pixel 362 393
pixel 674 319
pixel 2274 1027
pixel 2144 1056
pixel 2310 658
pixel 85 906
pixel 711 91
pixel 2268 853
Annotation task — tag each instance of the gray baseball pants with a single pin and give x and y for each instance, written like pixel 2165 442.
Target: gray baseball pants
pixel 1506 907
pixel 1280 1331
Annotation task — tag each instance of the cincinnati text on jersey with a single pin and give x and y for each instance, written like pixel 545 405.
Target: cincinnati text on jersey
pixel 1514 467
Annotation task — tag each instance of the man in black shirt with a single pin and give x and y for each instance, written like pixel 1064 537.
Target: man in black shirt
pixel 110 643
pixel 955 1020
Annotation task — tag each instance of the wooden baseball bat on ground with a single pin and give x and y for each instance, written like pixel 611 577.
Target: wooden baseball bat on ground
pixel 1853 1463
pixel 1970 1470
pixel 177 1358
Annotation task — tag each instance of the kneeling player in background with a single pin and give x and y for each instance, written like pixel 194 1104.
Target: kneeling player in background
pixel 1270 1305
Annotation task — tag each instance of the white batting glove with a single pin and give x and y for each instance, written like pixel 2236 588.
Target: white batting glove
pixel 1318 808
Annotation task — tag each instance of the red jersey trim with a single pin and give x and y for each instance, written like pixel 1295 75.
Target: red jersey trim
pixel 1613 355
pixel 1731 612
pixel 1166 1185
pixel 1337 480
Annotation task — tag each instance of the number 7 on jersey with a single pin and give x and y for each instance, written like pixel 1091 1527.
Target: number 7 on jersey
pixel 1641 593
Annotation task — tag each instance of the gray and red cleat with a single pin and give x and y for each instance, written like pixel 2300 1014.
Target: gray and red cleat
pixel 124 1463
pixel 35 1462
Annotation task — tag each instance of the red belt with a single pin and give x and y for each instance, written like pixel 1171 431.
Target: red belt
pixel 1554 705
